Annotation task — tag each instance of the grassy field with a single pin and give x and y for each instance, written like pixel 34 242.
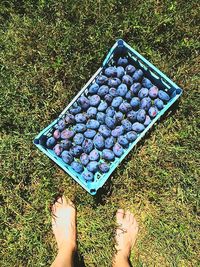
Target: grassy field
pixel 48 51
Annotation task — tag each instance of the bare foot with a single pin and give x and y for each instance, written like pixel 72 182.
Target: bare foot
pixel 64 224
pixel 126 233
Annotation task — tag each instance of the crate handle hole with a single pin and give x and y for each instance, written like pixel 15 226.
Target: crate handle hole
pixel 93 191
pixel 178 91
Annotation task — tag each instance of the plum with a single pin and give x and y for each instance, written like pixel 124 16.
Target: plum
pixel 138 127
pixel 110 122
pixel 108 154
pixel 80 128
pixel 125 107
pixel 87 146
pixel 108 98
pixel 147 121
pixel 104 131
pixel 158 103
pixel 113 91
pixel 76 150
pixel 137 75
pixel 88 176
pixel 130 69
pixel 127 125
pixel 109 142
pixel 141 115
pixel 101 117
pixel 78 139
pixel 69 119
pixel 99 141
pixel 103 90
pixel 110 72
pixel 117 101
pixel 145 103
pixel 94 100
pixel 119 130
pixel 67 134
pixel 127 79
pixel 146 83
pixel 80 118
pixel 84 158
pixel 135 103
pixel 94 155
pixel 122 61
pixel 83 102
pixel 89 133
pixel 123 141
pixel 77 166
pixel 51 141
pixel 114 82
pixel 104 167
pixel 129 95
pixel 92 166
pixel 131 136
pixel 118 150
pixel 120 72
pixel 143 93
pixel 119 116
pixel 153 112
pixel 132 116
pixel 122 90
pixel 58 149
pixel 61 125
pixel 163 96
pixel 75 110
pixel 92 124
pixel 56 134
pixel 110 112
pixel 66 144
pixel 153 92
pixel 93 89
pixel 67 157
pixel 135 88
pixel 92 112
pixel 101 79
pixel 102 106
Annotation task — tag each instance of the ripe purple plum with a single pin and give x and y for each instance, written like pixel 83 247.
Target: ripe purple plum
pixel 67 134
pixel 145 103
pixel 66 144
pixel 89 133
pixel 84 158
pixel 110 122
pixel 153 92
pixel 113 91
pixel 104 167
pixel 75 110
pixel 99 141
pixel 146 83
pixel 119 116
pixel 153 111
pixel 118 150
pixel 120 72
pixel 132 116
pixel 93 89
pixel 77 167
pixel 109 142
pixel 108 98
pixel 110 72
pixel 131 136
pixel 147 120
pixel 69 119
pixel 94 155
pixel 110 112
pixel 80 118
pixel 138 127
pixel 92 112
pixel 135 103
pixel 130 69
pixel 102 106
pixel 127 125
pixel 83 102
pixel 76 150
pixel 93 124
pixel 108 154
pixel 163 96
pixel 87 146
pixel 123 141
pixel 127 79
pixel 122 61
pixel 158 103
pixel 129 95
pixel 137 75
pixel 143 93
pixel 117 101
pixel 88 176
pixel 58 149
pixel 101 79
pixel 67 157
pixel 80 128
pixel 78 139
pixel 122 89
pixel 104 131
pixel 93 166
pixel 135 88
pixel 51 141
pixel 56 134
pixel 94 100
pixel 101 117
pixel 61 125
pixel 119 130
pixel 141 115
pixel 114 82
pixel 125 107
pixel 103 90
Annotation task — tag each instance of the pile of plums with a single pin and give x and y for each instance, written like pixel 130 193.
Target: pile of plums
pixel 106 119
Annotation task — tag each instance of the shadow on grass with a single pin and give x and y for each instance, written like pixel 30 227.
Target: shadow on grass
pixel 79 260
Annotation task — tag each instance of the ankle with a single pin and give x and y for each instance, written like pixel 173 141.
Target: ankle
pixel 72 247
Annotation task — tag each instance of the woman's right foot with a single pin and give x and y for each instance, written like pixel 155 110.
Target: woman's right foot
pixel 126 233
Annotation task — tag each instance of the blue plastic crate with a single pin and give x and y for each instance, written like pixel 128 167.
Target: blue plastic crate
pixel 151 72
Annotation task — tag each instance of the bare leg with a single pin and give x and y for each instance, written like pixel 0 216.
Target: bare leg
pixel 125 237
pixel 64 229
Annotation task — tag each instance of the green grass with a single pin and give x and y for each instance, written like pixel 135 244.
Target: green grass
pixel 48 51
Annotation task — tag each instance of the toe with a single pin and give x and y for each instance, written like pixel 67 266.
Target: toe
pixel 128 216
pixel 120 214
